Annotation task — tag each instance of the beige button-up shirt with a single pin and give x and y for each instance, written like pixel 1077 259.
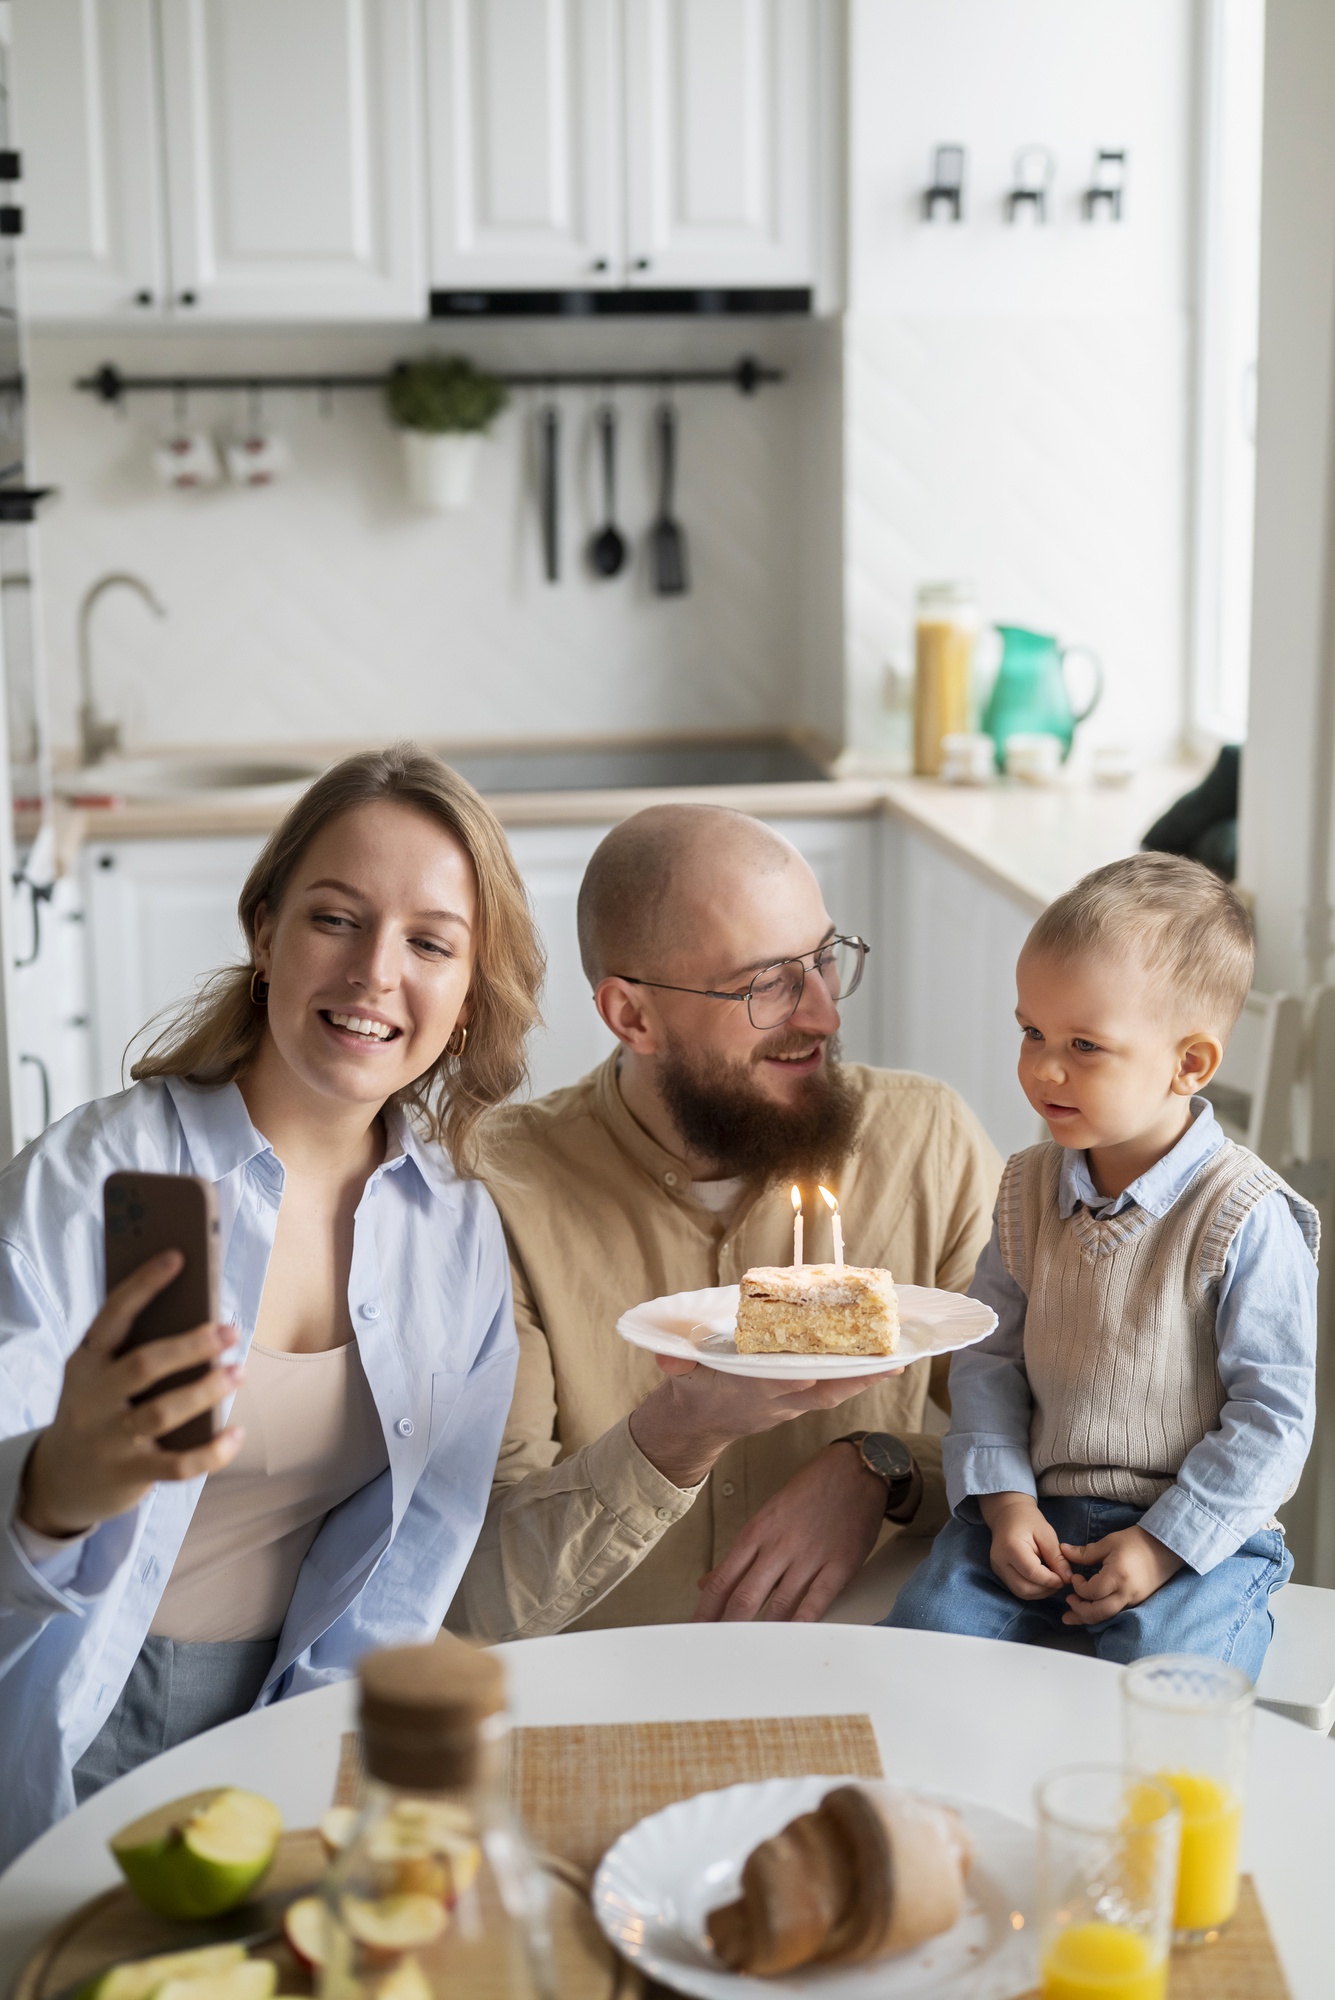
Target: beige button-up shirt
pixel 581 1527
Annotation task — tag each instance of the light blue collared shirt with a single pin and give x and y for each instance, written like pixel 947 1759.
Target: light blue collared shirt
pixel 429 1295
pixel 1229 1484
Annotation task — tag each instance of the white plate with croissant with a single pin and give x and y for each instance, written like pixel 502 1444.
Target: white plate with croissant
pixel 853 1890
pixel 702 1326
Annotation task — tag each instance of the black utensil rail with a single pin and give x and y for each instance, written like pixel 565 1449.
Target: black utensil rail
pixel 110 384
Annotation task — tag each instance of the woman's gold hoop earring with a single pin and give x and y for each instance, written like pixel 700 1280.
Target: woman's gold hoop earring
pixel 259 989
pixel 457 1043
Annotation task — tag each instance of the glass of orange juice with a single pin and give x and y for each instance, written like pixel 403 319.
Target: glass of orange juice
pixel 1107 1869
pixel 1188 1720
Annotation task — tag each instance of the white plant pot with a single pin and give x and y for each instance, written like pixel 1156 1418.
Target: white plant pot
pixel 441 467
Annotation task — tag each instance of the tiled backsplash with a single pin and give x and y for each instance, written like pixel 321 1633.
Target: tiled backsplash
pixel 324 606
pixel 1044 459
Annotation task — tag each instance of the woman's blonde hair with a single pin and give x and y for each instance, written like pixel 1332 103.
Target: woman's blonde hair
pixel 217 1037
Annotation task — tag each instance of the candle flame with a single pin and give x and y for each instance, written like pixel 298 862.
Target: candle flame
pixel 796 1199
pixel 830 1201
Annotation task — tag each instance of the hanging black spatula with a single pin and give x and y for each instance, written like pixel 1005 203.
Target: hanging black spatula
pixel 667 542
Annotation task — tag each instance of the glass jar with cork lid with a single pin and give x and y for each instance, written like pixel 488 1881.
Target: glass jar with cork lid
pixel 945 634
pixel 436 1894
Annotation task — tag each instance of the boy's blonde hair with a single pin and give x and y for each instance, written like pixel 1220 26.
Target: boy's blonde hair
pixel 1183 921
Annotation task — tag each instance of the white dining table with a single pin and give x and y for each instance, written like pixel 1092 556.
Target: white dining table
pixel 968 1716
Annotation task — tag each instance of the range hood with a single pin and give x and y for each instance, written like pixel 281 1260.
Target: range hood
pixel 643 302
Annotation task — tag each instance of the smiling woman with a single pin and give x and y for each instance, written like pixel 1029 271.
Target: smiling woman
pixel 358 1377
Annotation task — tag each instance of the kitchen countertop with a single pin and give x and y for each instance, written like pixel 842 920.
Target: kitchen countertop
pixel 1029 842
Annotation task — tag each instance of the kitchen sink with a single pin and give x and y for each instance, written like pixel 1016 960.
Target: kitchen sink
pixel 614 767
pixel 186 777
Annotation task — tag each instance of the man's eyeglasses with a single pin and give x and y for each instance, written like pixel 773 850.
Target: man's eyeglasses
pixel 775 994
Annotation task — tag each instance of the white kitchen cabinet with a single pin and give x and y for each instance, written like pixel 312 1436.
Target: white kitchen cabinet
pixel 572 1038
pixel 94 242
pixel 591 143
pixel 161 915
pixel 276 160
pixel 286 180
pixel 524 160
pixel 720 111
pixel 294 158
pixel 48 995
pixel 948 999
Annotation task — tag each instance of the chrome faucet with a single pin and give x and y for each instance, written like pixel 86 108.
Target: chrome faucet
pixel 96 736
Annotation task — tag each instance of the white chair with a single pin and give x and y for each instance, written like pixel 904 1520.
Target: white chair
pixel 1252 1093
pixel 1297 1680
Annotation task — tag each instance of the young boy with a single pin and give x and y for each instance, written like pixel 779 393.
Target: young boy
pixel 1119 1445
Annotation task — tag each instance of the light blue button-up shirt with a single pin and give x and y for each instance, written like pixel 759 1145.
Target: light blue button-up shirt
pixel 429 1294
pixel 1229 1484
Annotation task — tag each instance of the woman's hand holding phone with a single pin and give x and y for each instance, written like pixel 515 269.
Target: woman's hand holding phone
pixel 100 1455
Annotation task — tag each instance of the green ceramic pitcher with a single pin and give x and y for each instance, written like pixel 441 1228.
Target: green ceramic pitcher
pixel 1030 696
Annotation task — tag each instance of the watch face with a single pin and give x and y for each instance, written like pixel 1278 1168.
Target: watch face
pixel 887 1456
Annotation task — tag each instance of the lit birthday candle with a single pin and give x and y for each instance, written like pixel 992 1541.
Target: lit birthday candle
pixel 837 1226
pixel 797 1225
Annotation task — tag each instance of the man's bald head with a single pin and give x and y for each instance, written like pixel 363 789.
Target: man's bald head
pixel 654 873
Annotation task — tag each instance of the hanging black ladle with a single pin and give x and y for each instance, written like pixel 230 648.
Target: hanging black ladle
pixel 607 550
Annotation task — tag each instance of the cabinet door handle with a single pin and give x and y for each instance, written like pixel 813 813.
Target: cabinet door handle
pixel 143 298
pixel 44 1077
pixel 598 264
pixel 187 298
pixel 644 263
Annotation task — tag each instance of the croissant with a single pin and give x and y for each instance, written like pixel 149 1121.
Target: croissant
pixel 869 1872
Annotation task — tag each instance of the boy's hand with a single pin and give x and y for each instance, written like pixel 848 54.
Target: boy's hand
pixel 1131 1566
pixel 1026 1554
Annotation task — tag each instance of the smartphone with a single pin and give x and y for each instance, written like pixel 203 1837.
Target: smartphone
pixel 144 1214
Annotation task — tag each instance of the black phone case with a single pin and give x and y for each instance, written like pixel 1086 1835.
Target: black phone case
pixel 144 1214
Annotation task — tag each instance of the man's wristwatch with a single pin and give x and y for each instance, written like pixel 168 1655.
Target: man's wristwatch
pixel 889 1458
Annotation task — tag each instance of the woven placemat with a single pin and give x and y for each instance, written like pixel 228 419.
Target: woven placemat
pixel 578 1788
pixel 1242 1965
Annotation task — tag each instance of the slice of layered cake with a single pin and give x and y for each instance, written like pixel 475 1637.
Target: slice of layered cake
pixel 817 1309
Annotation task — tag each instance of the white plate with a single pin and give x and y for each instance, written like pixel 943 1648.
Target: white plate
pixel 657 1885
pixel 700 1326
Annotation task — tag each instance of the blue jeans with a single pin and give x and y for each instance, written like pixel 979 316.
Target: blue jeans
pixel 1225 1614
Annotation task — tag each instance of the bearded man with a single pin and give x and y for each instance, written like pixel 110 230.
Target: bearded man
pixel 632 1490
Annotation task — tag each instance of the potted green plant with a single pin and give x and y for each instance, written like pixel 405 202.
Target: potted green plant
pixel 443 407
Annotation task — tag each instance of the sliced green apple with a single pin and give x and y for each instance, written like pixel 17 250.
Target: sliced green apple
pixel 253 1979
pixel 336 1828
pixel 143 1976
pixel 199 1855
pixel 388 1925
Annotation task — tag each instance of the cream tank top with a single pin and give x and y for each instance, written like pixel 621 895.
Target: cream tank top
pixel 313 1439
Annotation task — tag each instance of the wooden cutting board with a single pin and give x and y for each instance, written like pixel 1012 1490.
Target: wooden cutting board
pixel 116 1925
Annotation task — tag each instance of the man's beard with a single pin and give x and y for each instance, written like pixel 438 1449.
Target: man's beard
pixel 724 1117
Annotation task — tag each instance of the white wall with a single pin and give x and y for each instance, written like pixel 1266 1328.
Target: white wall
pixel 324 607
pixel 1286 823
pixel 1018 399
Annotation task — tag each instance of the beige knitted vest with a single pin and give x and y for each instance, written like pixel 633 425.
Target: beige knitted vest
pixel 1119 1331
